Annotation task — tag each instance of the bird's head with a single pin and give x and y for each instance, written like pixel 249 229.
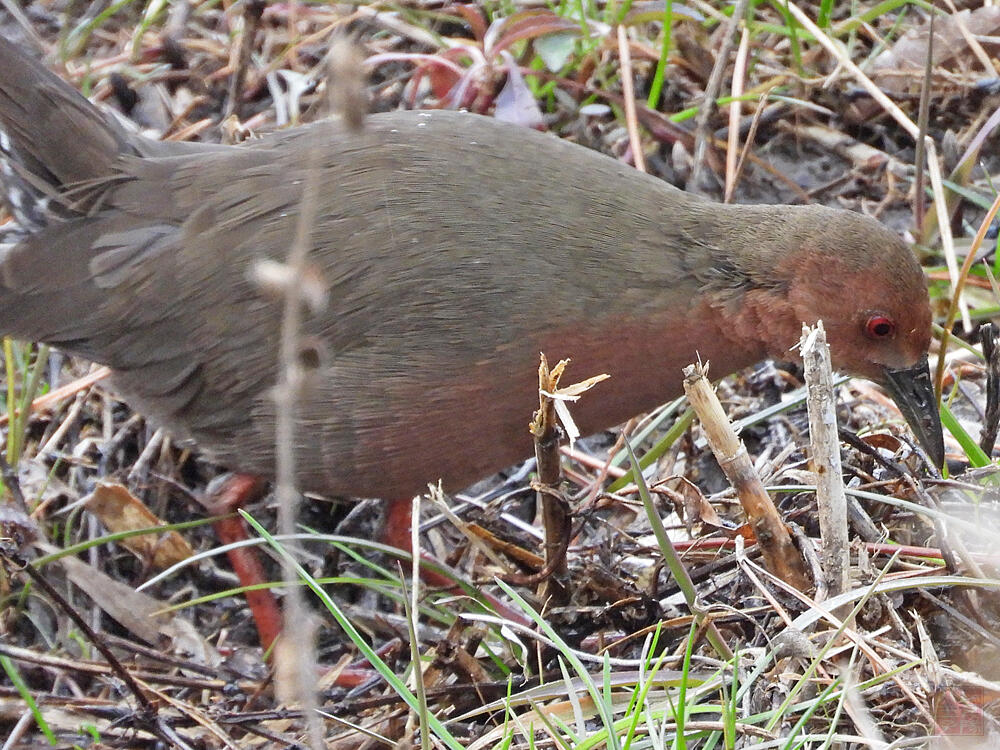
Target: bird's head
pixel 863 282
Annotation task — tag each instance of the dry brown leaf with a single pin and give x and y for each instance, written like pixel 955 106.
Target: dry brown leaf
pixel 694 507
pixel 900 69
pixel 119 510
pixel 140 614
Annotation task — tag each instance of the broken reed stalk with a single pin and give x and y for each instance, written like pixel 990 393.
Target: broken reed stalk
pixel 544 429
pixel 780 555
pixel 824 459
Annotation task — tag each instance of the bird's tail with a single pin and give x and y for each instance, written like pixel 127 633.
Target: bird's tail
pixel 52 140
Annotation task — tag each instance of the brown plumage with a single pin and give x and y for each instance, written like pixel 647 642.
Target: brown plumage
pixel 455 248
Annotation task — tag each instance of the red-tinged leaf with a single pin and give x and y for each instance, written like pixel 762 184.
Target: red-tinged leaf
pixel 442 79
pixel 472 16
pixel 465 89
pixel 444 70
pixel 467 93
pixel 529 24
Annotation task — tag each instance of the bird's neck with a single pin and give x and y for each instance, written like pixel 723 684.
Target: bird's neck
pixel 645 358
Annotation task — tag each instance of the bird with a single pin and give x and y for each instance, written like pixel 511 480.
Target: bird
pixel 454 248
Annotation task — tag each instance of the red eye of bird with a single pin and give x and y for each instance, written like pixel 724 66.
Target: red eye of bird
pixel 879 327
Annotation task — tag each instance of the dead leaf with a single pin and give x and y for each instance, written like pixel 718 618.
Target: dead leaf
pixel 119 510
pixel 900 69
pixel 140 614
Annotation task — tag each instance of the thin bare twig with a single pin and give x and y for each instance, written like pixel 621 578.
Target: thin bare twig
pixel 922 115
pixel 628 95
pixel 712 90
pixel 253 10
pixel 735 110
pixel 298 645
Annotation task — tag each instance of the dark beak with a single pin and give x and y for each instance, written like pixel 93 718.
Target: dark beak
pixel 913 391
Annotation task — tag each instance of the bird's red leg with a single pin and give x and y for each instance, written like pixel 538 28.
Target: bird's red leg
pixel 396 532
pixel 236 491
pixel 397 525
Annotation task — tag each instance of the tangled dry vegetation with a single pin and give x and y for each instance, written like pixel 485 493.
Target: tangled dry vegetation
pixel 606 646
